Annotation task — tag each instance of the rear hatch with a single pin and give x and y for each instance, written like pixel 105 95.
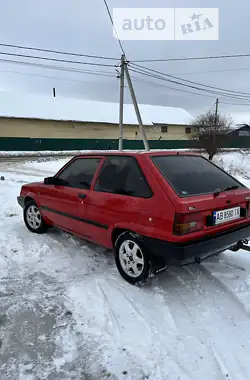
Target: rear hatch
pixel 203 193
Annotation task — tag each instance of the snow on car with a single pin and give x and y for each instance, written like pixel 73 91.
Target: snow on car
pixel 65 312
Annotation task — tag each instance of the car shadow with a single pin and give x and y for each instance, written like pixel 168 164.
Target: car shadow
pixel 82 245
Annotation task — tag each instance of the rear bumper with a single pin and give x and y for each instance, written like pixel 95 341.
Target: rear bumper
pixel 181 254
pixel 20 201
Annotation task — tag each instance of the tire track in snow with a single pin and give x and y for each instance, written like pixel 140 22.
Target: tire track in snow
pixel 151 342
pixel 112 317
pixel 221 365
pixel 208 274
pixel 226 288
pixel 232 273
pixel 217 320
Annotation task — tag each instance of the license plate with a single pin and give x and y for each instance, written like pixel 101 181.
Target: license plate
pixel 227 215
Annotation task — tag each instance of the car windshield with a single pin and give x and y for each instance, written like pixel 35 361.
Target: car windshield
pixel 193 175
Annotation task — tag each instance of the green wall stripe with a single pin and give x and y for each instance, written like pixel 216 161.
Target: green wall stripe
pixel 41 144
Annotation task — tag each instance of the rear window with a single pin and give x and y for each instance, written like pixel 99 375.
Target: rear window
pixel 193 175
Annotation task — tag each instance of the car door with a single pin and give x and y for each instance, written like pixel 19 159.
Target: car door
pixel 119 193
pixel 65 205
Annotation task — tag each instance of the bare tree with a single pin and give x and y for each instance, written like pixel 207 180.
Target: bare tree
pixel 211 131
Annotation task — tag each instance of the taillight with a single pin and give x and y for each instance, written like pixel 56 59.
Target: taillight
pixel 188 223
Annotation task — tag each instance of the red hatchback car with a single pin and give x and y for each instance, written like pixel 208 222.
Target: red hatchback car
pixel 153 208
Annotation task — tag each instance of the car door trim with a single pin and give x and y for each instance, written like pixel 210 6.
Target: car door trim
pixel 89 221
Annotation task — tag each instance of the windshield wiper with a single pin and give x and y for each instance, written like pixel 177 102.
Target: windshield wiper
pixel 218 191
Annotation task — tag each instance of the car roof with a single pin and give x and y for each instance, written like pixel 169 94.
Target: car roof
pixel 134 153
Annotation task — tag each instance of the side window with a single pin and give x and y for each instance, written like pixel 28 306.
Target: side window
pixel 80 172
pixel 122 175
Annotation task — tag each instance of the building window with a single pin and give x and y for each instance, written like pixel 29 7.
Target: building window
pixel 188 130
pixel 164 128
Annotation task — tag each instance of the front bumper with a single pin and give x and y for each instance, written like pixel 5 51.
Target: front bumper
pixel 181 254
pixel 20 201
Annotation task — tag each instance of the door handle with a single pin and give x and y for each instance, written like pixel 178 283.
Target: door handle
pixel 82 196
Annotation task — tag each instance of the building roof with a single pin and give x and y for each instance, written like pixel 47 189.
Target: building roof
pixel 242 125
pixel 68 109
pixel 237 127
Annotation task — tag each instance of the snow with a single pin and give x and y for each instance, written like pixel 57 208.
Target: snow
pixel 56 153
pixel 66 314
pixel 49 153
pixel 59 108
pixel 43 153
pixel 236 163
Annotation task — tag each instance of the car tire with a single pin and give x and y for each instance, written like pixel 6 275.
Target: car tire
pixel 33 218
pixel 132 259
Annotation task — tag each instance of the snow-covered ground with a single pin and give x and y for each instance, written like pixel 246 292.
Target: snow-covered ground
pixel 66 314
pixel 57 153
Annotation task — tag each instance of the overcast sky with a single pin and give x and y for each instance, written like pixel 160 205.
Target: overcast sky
pixel 83 26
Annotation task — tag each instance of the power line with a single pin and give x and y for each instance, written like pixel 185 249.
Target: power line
pixel 125 71
pixel 235 104
pixel 238 97
pixel 184 91
pixel 112 22
pixel 59 78
pixel 57 52
pixel 192 58
pixel 147 82
pixel 169 87
pixel 148 70
pixel 103 73
pixel 135 79
pixel 213 71
pixel 50 67
pixel 57 60
pixel 40 65
pixel 107 74
pixel 182 84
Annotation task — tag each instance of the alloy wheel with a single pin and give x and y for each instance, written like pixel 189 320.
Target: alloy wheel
pixel 34 218
pixel 131 258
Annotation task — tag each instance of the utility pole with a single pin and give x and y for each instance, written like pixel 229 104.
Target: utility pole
pixel 137 111
pixel 54 92
pixel 216 110
pixel 121 101
pixel 215 119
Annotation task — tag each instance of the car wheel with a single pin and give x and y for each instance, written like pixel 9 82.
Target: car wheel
pixel 132 260
pixel 33 218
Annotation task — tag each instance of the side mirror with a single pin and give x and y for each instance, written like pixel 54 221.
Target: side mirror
pixel 50 181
